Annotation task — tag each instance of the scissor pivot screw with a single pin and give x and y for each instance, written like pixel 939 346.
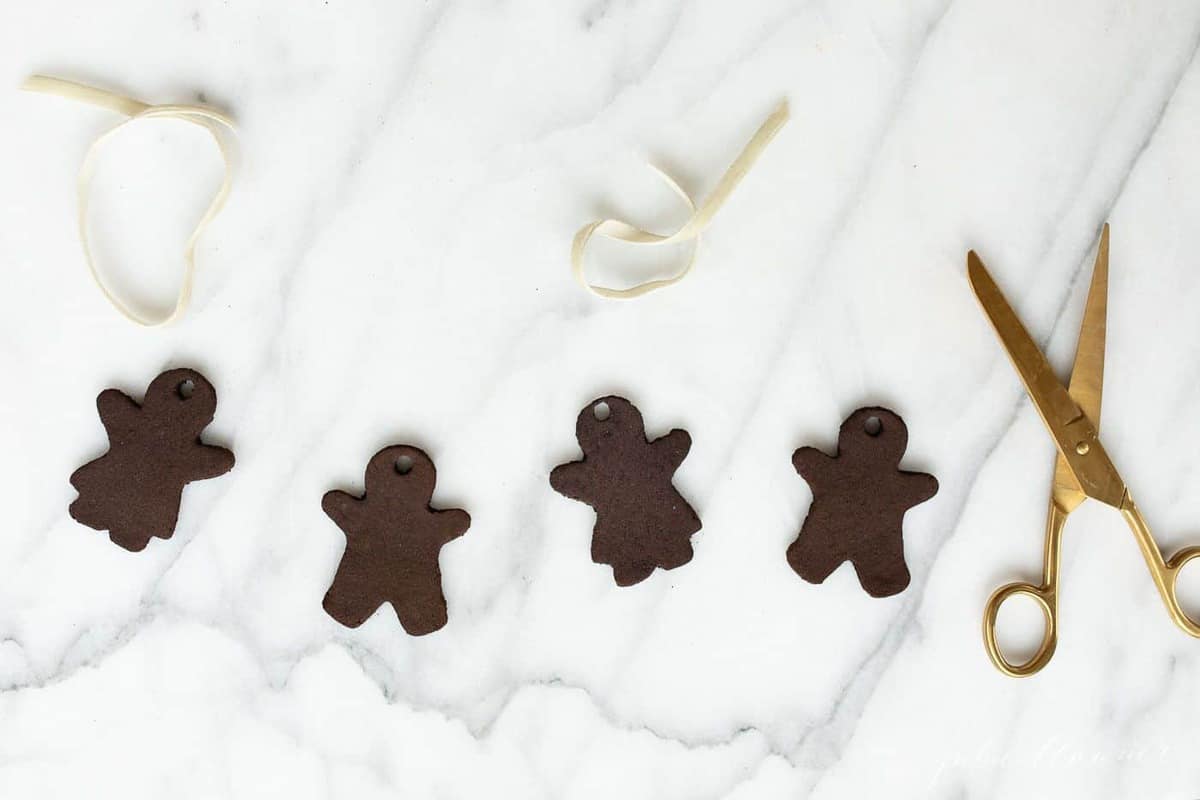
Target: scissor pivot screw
pixel 1082 448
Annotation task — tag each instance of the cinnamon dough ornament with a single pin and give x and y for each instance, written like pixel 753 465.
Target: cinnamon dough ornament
pixel 642 522
pixel 133 491
pixel 393 539
pixel 860 496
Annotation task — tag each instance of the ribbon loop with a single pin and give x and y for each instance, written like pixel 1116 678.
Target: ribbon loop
pixel 699 220
pixel 218 126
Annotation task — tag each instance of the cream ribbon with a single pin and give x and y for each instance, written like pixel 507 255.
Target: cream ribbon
pixel 691 230
pixel 216 123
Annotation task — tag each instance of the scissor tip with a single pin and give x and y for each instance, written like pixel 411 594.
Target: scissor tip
pixel 977 274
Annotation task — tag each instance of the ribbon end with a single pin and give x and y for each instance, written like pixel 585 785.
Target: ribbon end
pixel 37 83
pixel 71 90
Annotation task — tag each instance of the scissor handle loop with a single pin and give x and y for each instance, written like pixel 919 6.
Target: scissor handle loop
pixel 1174 565
pixel 1047 603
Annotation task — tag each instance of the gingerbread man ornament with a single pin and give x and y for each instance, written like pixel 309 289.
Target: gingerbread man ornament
pixel 642 522
pixel 133 491
pixel 860 496
pixel 393 540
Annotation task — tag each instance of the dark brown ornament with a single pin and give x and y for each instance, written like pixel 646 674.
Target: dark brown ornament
pixel 642 522
pixel 393 539
pixel 154 450
pixel 860 495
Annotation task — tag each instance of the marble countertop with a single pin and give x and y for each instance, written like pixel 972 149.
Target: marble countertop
pixel 392 267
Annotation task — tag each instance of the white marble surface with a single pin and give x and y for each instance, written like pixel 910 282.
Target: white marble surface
pixel 393 268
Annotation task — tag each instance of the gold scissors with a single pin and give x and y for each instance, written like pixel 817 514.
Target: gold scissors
pixel 1082 468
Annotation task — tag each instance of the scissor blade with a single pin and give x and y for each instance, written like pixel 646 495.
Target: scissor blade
pixel 1068 425
pixel 1087 375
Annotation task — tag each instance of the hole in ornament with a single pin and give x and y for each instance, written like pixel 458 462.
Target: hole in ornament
pixel 873 426
pixel 186 388
pixel 601 411
pixel 404 465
